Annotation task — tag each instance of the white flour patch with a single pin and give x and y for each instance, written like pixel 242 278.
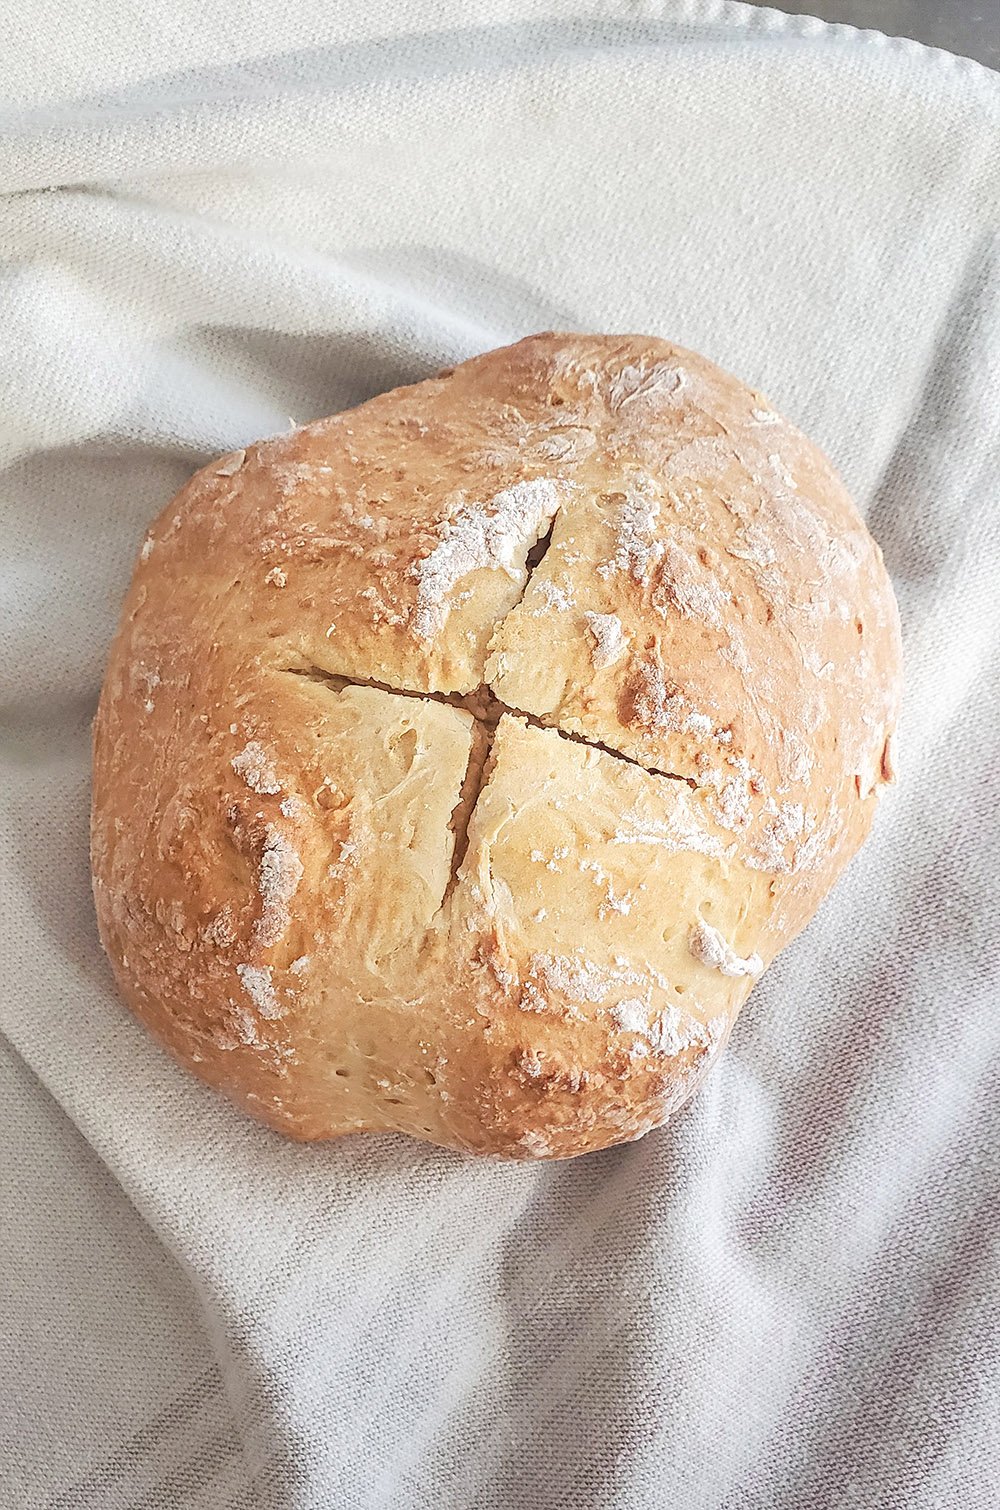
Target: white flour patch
pixel 254 766
pixel 291 475
pixel 709 947
pixel 579 979
pixel 555 597
pixel 348 856
pixel 668 1034
pixel 281 870
pixel 734 788
pixel 479 537
pixel 786 826
pixel 258 983
pixel 615 903
pixel 631 1015
pixel 686 588
pixel 243 1024
pixel 659 709
pixel 610 639
pixel 636 547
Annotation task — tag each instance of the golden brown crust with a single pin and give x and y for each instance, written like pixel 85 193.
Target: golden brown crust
pixel 394 830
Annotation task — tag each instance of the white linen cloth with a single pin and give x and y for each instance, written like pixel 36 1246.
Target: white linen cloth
pixel 219 216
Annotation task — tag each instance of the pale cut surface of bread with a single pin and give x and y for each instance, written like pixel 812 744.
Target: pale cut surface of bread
pixel 464 758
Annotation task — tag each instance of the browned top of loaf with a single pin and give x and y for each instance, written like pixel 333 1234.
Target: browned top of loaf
pixel 709 606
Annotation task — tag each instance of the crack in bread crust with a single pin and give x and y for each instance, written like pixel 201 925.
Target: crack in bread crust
pixel 486 710
pixel 477 774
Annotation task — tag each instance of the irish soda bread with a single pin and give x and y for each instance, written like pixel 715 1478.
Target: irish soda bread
pixel 463 759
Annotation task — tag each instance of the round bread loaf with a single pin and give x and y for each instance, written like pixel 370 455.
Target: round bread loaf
pixel 464 758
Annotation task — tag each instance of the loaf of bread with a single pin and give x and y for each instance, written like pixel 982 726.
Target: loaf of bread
pixel 464 758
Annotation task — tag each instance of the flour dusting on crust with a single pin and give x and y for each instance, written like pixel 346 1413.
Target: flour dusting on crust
pixel 255 767
pixel 682 828
pixel 481 536
pixel 688 589
pixel 667 1033
pixel 610 640
pixel 258 983
pixel 555 596
pixel 281 870
pixel 658 708
pixel 709 946
pixel 580 980
pixel 637 548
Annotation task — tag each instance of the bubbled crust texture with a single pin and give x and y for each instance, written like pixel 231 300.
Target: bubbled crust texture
pixel 395 827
